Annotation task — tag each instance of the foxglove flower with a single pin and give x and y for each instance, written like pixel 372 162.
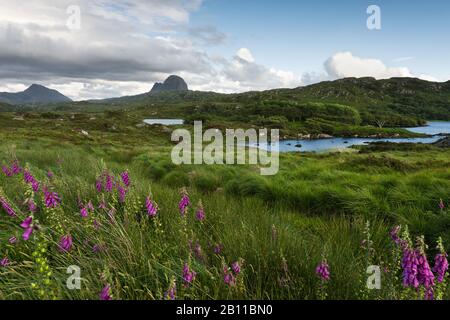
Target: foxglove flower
pixel 125 178
pixel 15 167
pixel 152 208
pixel 236 267
pixel 84 212
pixel 424 274
pixel 188 274
pixel 184 203
pixel 12 240
pixel 218 248
pixel 323 271
pixel 50 174
pixel 32 206
pixel 171 293
pixel 6 206
pixel 35 186
pixel 28 177
pixel 410 268
pixel 106 293
pixel 228 277
pixel 395 235
pixel 200 215
pixel 440 266
pixel 98 185
pixel 52 199
pixel 109 185
pixel 4 262
pixel 7 171
pixel 65 243
pixel 122 193
pixel 27 224
pixel 27 233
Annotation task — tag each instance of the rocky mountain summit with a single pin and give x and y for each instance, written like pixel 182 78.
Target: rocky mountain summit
pixel 172 83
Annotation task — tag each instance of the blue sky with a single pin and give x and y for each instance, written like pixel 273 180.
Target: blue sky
pixel 301 35
pixel 124 47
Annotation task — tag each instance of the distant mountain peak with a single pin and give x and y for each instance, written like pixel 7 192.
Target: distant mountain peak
pixel 172 83
pixel 37 88
pixel 35 94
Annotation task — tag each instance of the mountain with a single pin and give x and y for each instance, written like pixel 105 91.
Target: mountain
pixel 35 94
pixel 172 83
pixel 390 102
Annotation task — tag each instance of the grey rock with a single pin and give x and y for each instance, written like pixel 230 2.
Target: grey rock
pixel 172 83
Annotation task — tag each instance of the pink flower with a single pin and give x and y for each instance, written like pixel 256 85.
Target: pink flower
pixel 125 178
pixel 98 185
pixel 152 208
pixel 7 171
pixel 236 267
pixel 323 271
pixel 4 262
pixel 218 248
pixel 106 293
pixel 15 167
pixel 122 193
pixel 26 235
pixel 184 203
pixel 228 277
pixel 6 206
pixel 84 212
pixel 65 243
pixel 188 274
pixel 28 226
pixel 171 293
pixel 27 222
pixel 109 186
pixel 52 199
pixel 200 215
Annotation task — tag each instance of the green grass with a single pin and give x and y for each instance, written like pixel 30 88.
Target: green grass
pixel 316 207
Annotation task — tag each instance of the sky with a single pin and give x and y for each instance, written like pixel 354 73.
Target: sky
pixel 93 49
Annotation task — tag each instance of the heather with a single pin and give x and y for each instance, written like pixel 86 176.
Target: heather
pixel 139 227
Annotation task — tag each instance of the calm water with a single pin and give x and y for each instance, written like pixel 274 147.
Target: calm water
pixel 164 122
pixel 433 128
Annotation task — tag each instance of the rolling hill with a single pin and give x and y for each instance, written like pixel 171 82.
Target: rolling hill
pixel 35 94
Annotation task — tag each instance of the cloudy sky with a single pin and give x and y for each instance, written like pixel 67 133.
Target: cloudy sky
pixel 104 48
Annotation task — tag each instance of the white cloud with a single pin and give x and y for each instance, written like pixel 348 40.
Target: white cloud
pixel 243 73
pixel 245 54
pixel 345 64
pixel 132 41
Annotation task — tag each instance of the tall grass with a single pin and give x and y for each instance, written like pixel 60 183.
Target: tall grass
pixel 280 227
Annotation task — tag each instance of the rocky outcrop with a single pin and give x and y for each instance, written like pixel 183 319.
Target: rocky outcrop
pixel 443 143
pixel 172 83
